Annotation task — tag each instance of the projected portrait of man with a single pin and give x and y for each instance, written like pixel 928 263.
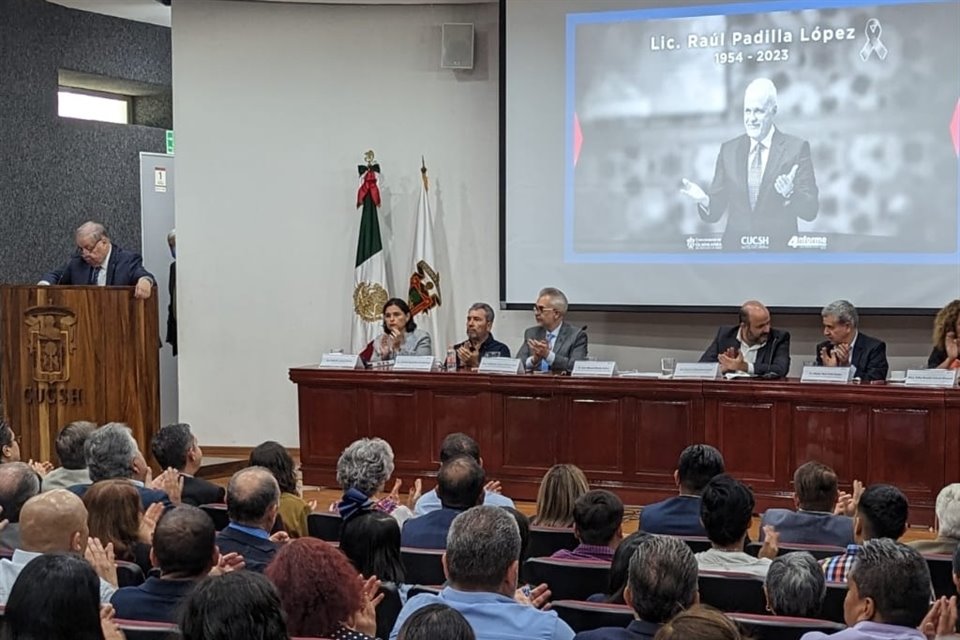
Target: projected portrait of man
pixel 763 180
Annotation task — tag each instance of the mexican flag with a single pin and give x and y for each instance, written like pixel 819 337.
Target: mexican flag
pixel 424 295
pixel 370 274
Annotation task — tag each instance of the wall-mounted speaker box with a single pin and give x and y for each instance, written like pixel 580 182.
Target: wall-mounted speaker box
pixel 456 45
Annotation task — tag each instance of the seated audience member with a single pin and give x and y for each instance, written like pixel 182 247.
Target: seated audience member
pixel 795 586
pixel 400 335
pixel 482 562
pixel 184 550
pixel 238 605
pixel 57 597
pixel 175 447
pixel 726 510
pixel 321 593
pixel 752 346
pixel 115 515
pixel 453 446
pixel 552 345
pixel 620 569
pixel 846 346
pixel 888 594
pixel 73 466
pixel 680 515
pixel 18 483
pixel 460 486
pixel 362 472
pixel 559 490
pixel 112 454
pixel 946 338
pixel 523 524
pixel 480 342
pixel 598 525
pixel 253 500
pixel 56 522
pixel 815 496
pixel 293 509
pixel 882 512
pixel 371 541
pixel 662 583
pixel 700 623
pixel 948 523
pixel 10 450
pixel 436 622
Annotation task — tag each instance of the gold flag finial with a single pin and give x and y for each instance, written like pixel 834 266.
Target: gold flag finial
pixel 369 157
pixel 423 174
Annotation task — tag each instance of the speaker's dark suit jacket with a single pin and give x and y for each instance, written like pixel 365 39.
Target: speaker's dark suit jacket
pixel 809 527
pixel 676 516
pixel 773 216
pixel 772 358
pixel 257 552
pixel 569 346
pixel 123 270
pixel 869 357
pixel 636 630
pixel 155 600
pixel 197 491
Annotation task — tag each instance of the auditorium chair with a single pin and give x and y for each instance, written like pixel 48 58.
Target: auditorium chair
pixel 583 616
pixel 142 630
pixel 763 627
pixel 129 574
pixel 325 526
pixel 734 592
pixel 833 602
pixel 544 541
pixel 818 551
pixel 389 609
pixel 696 543
pixel 218 512
pixel 941 574
pixel 568 579
pixel 423 566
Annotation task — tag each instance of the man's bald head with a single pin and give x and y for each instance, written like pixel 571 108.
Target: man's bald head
pixel 460 483
pixel 759 108
pixel 754 322
pixel 252 497
pixel 55 521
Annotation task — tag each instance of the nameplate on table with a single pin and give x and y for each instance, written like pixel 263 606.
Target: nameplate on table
pixel 501 366
pixel 832 375
pixel 946 378
pixel 344 361
pixel 422 364
pixel 594 369
pixel 697 371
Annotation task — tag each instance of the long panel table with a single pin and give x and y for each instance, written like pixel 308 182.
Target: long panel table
pixel 626 434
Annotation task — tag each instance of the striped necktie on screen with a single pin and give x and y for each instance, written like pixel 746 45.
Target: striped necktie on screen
pixel 755 175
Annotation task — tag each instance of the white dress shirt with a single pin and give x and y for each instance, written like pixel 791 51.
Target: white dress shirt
pixel 749 351
pixel 10 569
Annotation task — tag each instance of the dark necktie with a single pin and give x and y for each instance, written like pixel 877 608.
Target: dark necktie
pixel 755 174
pixel 95 276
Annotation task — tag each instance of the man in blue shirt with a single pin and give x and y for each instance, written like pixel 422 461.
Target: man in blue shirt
pixel 680 515
pixel 482 562
pixel 453 446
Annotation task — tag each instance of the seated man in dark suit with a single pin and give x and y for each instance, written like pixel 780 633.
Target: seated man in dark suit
pixel 680 516
pixel 184 550
pixel 661 582
pixel 751 347
pixel 18 483
pixel 480 341
pixel 253 500
pixel 598 525
pixel 101 263
pixel 460 486
pixel 112 453
pixel 845 346
pixel 815 494
pixel 174 446
pixel 552 345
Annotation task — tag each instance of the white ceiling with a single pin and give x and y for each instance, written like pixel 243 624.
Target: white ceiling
pixel 153 12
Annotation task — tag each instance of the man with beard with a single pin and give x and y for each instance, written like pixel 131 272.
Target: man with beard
pixel 752 347
pixel 479 342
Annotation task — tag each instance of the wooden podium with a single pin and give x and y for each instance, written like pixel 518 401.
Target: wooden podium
pixel 77 353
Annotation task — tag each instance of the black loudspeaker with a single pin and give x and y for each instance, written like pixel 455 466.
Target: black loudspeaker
pixel 456 45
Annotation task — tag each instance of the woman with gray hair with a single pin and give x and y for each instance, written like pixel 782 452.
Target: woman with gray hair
pixel 363 470
pixel 795 586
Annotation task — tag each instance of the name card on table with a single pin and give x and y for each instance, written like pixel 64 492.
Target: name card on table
pixel 697 371
pixel 946 378
pixel 423 364
pixel 501 366
pixel 344 361
pixel 594 369
pixel 834 375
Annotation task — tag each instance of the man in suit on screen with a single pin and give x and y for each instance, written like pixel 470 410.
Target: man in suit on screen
pixel 552 345
pixel 751 347
pixel 763 180
pixel 99 262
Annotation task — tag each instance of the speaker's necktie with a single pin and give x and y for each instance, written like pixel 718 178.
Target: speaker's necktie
pixel 544 365
pixel 95 276
pixel 755 175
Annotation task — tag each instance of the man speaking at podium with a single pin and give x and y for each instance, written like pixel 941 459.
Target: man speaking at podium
pixel 552 345
pixel 101 263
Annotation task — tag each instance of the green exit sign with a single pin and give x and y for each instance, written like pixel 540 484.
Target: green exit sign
pixel 169 141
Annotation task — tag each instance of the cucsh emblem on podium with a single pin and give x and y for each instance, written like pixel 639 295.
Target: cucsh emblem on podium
pixel 52 342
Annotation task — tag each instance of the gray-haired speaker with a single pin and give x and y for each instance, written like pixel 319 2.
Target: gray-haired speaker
pixel 456 48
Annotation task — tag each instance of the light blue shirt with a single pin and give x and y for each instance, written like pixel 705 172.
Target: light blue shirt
pixel 253 531
pixel 492 616
pixel 430 501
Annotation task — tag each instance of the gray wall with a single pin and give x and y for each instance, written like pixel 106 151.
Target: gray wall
pixel 58 172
